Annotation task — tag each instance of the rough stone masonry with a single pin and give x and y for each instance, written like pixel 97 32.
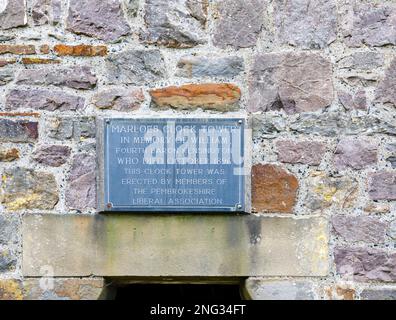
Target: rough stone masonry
pixel 317 78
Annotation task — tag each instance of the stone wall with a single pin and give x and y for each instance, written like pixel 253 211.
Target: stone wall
pixel 317 78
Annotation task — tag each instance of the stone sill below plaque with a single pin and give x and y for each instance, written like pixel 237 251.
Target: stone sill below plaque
pixel 133 245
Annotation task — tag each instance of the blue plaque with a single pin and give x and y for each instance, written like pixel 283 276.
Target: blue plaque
pixel 172 165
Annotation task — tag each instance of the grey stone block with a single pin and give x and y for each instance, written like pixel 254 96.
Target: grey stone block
pixel 174 245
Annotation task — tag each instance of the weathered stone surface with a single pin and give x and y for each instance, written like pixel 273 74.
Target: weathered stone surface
pixel 362 109
pixel 17 49
pixel 119 99
pixel 340 292
pixel 268 125
pixel 12 14
pixel 273 189
pixel 361 228
pixel 382 185
pixel 81 191
pixel 6 76
pixel 87 147
pixel 6 37
pixel 306 24
pixel 28 189
pixel 358 80
pixel 46 11
pixel 39 99
pixel 45 49
pixel 324 191
pixel 392 160
pixel 9 229
pixel 356 101
pixel 101 19
pixel 255 289
pixel 291 82
pixel 177 24
pixel 135 67
pixel 8 155
pixel 7 261
pixel 331 124
pixel 378 294
pixel 305 152
pixel 53 289
pixel 65 289
pixel 391 149
pixel 355 154
pixel 18 131
pixel 377 208
pixel 370 24
pixel 232 246
pixel 392 229
pixel 36 60
pixel 53 155
pixel 76 128
pixel 211 96
pixel 6 62
pixel 386 89
pixel 10 289
pixel 20 114
pixel 365 264
pixel 362 61
pixel 239 23
pixel 131 7
pixel 75 77
pixel 206 66
pixel 80 50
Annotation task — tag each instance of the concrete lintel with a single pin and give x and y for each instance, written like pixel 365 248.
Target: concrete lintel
pixel 133 245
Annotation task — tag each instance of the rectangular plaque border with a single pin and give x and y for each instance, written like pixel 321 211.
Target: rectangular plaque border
pixel 100 154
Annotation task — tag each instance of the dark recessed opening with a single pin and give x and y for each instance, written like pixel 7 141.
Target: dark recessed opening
pixel 179 292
